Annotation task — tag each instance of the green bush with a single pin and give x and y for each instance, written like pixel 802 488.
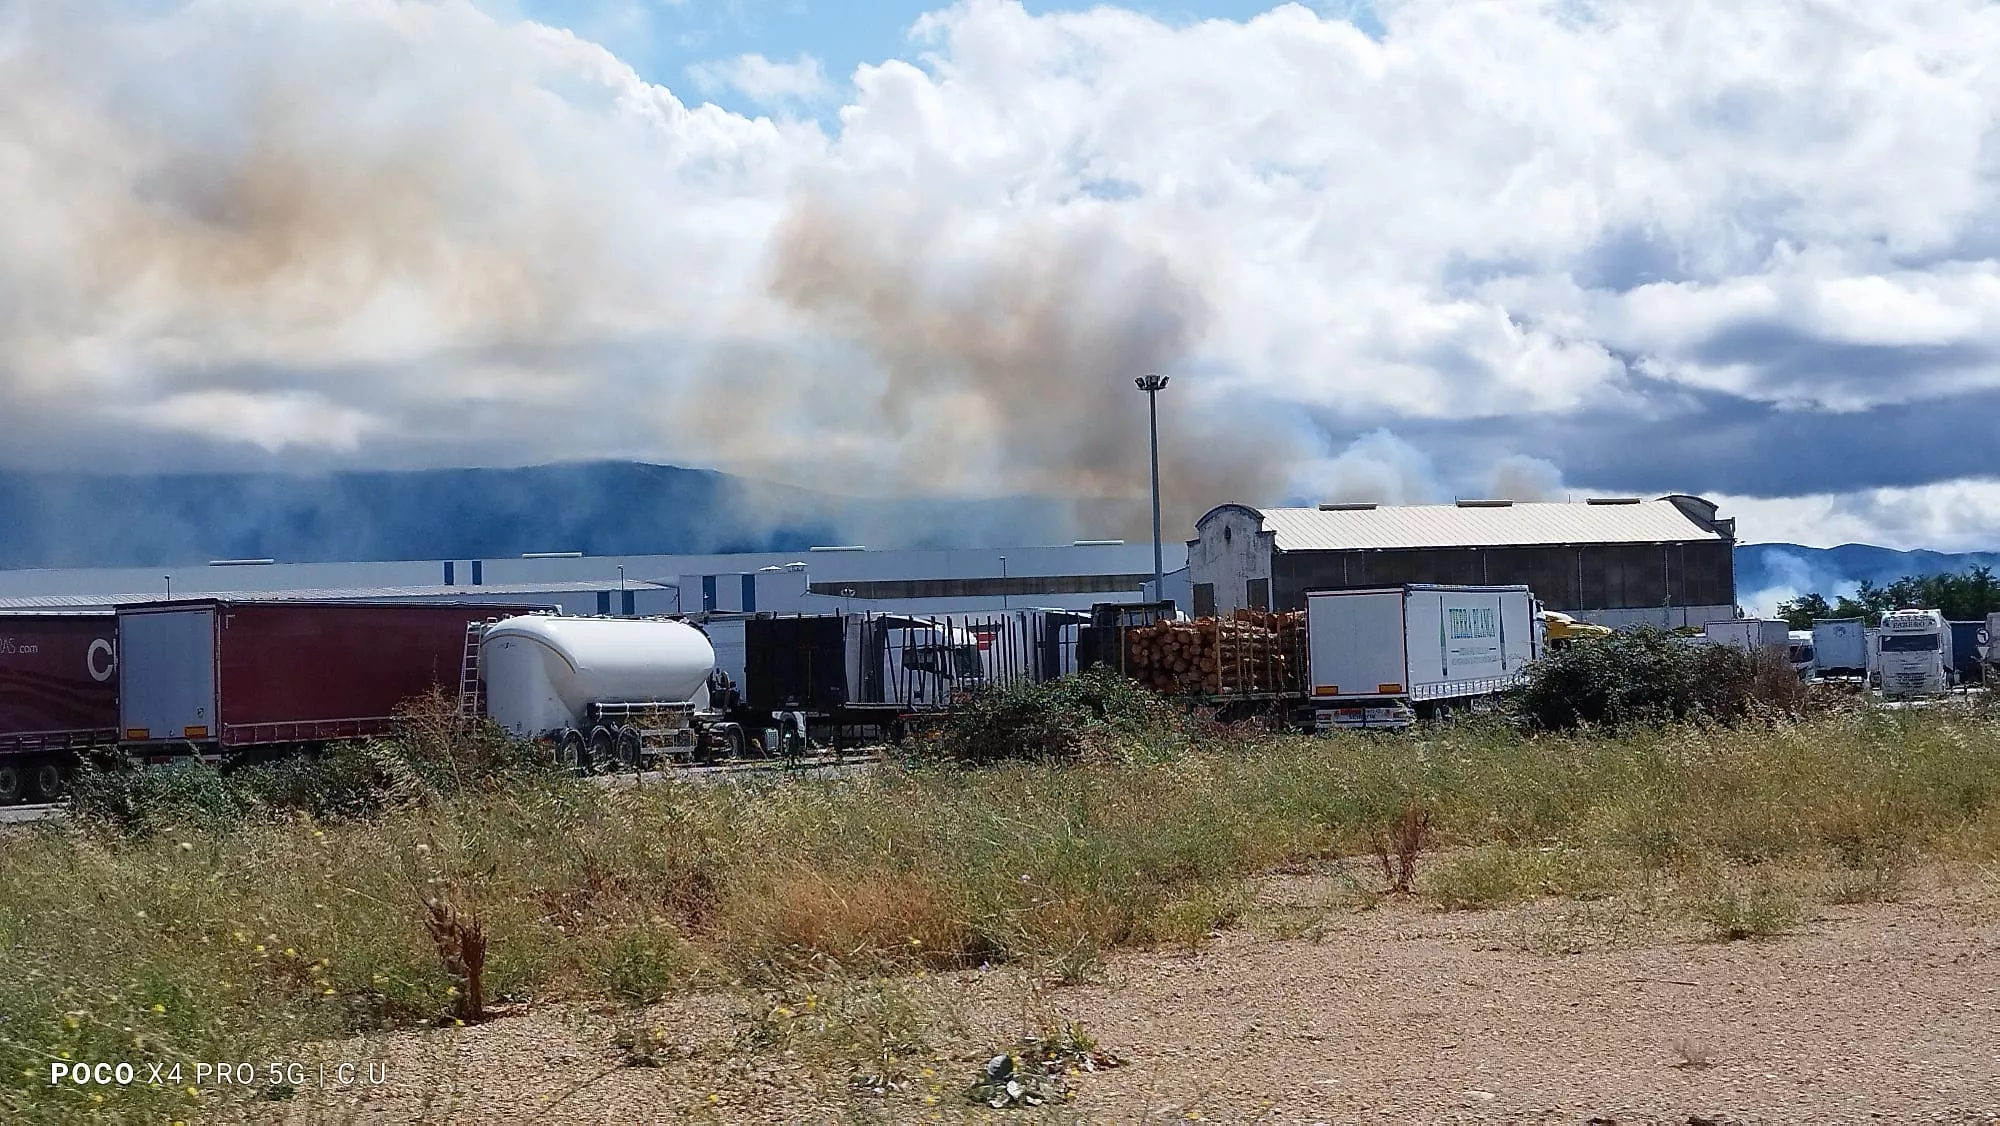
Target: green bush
pixel 1094 711
pixel 144 802
pixel 1648 677
pixel 428 756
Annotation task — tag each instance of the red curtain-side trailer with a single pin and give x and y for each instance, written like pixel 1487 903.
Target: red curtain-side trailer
pixel 58 697
pixel 221 677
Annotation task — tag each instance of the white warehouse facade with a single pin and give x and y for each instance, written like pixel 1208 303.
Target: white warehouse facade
pixel 1616 561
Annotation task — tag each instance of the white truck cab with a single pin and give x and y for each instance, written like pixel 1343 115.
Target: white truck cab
pixel 1913 653
pixel 1802 653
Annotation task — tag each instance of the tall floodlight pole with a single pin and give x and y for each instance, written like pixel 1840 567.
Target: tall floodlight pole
pixel 1152 385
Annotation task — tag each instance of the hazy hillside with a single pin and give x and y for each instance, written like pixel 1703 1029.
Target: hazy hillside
pixel 66 520
pixel 612 508
pixel 1768 572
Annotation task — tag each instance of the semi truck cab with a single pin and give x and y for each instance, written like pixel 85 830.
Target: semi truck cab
pixel 1803 654
pixel 1913 653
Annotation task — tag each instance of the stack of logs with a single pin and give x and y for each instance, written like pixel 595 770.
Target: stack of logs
pixel 1249 653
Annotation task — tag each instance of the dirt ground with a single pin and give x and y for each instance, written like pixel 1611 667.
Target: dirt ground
pixel 1572 1013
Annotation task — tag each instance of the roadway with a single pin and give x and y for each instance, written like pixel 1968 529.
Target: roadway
pixel 27 814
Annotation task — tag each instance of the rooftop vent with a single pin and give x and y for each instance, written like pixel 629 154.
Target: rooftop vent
pixel 552 555
pixel 1356 506
pixel 1612 500
pixel 1097 543
pixel 853 547
pixel 241 562
pixel 1486 504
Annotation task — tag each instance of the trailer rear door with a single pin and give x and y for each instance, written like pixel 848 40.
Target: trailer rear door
pixel 1356 644
pixel 166 675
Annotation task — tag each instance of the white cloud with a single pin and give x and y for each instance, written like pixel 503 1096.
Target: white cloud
pixel 493 240
pixel 1948 516
pixel 274 423
pixel 761 80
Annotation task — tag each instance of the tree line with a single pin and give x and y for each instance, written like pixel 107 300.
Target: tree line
pixel 1964 597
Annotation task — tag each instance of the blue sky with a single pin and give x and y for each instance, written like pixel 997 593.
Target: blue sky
pixel 662 39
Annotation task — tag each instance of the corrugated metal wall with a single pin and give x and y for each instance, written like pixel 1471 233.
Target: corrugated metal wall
pixel 1586 577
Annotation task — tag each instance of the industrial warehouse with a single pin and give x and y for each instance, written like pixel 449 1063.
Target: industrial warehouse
pixel 817 580
pixel 1615 561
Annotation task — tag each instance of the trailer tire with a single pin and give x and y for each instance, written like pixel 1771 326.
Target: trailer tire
pixel 10 783
pixel 570 752
pixel 603 751
pixel 631 748
pixel 50 780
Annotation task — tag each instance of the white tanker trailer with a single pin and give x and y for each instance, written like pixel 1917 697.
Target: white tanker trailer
pixel 605 689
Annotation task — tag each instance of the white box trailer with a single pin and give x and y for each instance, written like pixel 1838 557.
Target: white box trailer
pixel 1840 646
pixel 1774 634
pixel 1378 656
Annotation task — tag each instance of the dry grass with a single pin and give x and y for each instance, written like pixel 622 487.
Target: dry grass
pixel 233 939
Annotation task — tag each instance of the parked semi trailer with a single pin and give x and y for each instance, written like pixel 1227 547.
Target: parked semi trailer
pixel 218 678
pixel 1968 646
pixel 1840 646
pixel 58 698
pixel 856 675
pixel 1773 634
pixel 1379 656
pixel 600 691
pixel 1989 653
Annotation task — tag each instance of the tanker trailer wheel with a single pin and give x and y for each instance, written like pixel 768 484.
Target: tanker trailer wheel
pixel 603 750
pixel 570 752
pixel 10 783
pixel 50 780
pixel 631 749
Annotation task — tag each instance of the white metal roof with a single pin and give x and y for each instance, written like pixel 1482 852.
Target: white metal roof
pixel 1451 525
pixel 320 594
pixel 825 566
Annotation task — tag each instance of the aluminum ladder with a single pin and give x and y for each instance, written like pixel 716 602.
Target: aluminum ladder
pixel 471 686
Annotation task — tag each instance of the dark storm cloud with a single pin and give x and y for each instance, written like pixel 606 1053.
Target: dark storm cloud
pixel 1788 356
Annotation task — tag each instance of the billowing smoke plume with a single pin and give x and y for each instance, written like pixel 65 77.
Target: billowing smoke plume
pixel 334 248
pixel 1001 360
pixel 1520 477
pixel 1788 577
pixel 1378 468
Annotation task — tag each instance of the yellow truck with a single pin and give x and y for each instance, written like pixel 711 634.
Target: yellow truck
pixel 1561 629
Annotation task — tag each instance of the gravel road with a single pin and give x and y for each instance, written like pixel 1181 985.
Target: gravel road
pixel 1550 1014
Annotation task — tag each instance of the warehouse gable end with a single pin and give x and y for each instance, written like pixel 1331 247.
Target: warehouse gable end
pixel 1229 561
